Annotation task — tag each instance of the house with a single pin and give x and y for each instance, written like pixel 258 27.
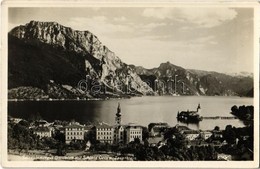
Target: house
pixel 155 129
pixel 191 134
pixel 181 129
pixel 42 132
pixel 74 131
pixel 105 133
pixel 217 134
pixel 205 134
pixel 133 131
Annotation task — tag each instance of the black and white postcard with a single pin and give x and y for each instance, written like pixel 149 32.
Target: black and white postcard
pixel 130 84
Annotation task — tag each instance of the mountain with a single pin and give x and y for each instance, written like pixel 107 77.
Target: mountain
pixel 194 82
pixel 48 60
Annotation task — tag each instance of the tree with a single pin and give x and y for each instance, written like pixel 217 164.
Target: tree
pixel 90 136
pixel 61 149
pixel 217 128
pixel 78 145
pixel 24 123
pixel 234 109
pixel 137 141
pixel 229 135
pixel 59 136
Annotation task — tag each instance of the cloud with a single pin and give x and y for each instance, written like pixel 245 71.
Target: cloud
pixel 150 26
pixel 120 19
pixel 98 25
pixel 202 17
pixel 160 13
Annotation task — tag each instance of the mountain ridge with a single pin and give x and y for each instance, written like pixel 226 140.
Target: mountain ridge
pixel 51 59
pixel 80 49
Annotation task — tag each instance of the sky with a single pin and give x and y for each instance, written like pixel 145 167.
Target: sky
pixel 203 38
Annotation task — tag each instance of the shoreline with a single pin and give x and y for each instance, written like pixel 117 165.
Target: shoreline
pixel 116 98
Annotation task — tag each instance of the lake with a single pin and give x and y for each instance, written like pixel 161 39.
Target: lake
pixel 140 110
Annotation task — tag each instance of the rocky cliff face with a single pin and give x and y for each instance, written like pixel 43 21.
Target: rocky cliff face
pixel 67 56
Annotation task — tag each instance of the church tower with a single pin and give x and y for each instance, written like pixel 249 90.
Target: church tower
pixel 199 109
pixel 118 115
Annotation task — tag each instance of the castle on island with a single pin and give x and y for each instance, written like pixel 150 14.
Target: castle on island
pixel 190 116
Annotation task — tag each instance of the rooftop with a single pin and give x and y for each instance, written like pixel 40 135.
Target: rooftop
pixel 103 125
pixel 180 128
pixel 42 129
pixel 74 126
pixel 191 132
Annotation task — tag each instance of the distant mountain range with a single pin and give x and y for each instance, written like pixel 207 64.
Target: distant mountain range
pixel 195 82
pixel 47 60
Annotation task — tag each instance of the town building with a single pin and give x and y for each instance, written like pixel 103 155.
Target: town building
pixel 191 134
pixel 181 129
pixel 105 133
pixel 205 134
pixel 217 134
pixel 132 132
pixel 74 131
pixel 42 132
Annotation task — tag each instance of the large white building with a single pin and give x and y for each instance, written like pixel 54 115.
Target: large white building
pixel 132 132
pixel 74 131
pixel 105 133
pixel 118 133
pixel 42 132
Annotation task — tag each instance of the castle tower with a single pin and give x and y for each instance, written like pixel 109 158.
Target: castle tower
pixel 199 109
pixel 118 115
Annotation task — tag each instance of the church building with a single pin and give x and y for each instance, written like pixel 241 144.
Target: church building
pixel 119 128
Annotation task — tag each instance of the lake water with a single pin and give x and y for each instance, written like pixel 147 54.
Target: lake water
pixel 140 110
